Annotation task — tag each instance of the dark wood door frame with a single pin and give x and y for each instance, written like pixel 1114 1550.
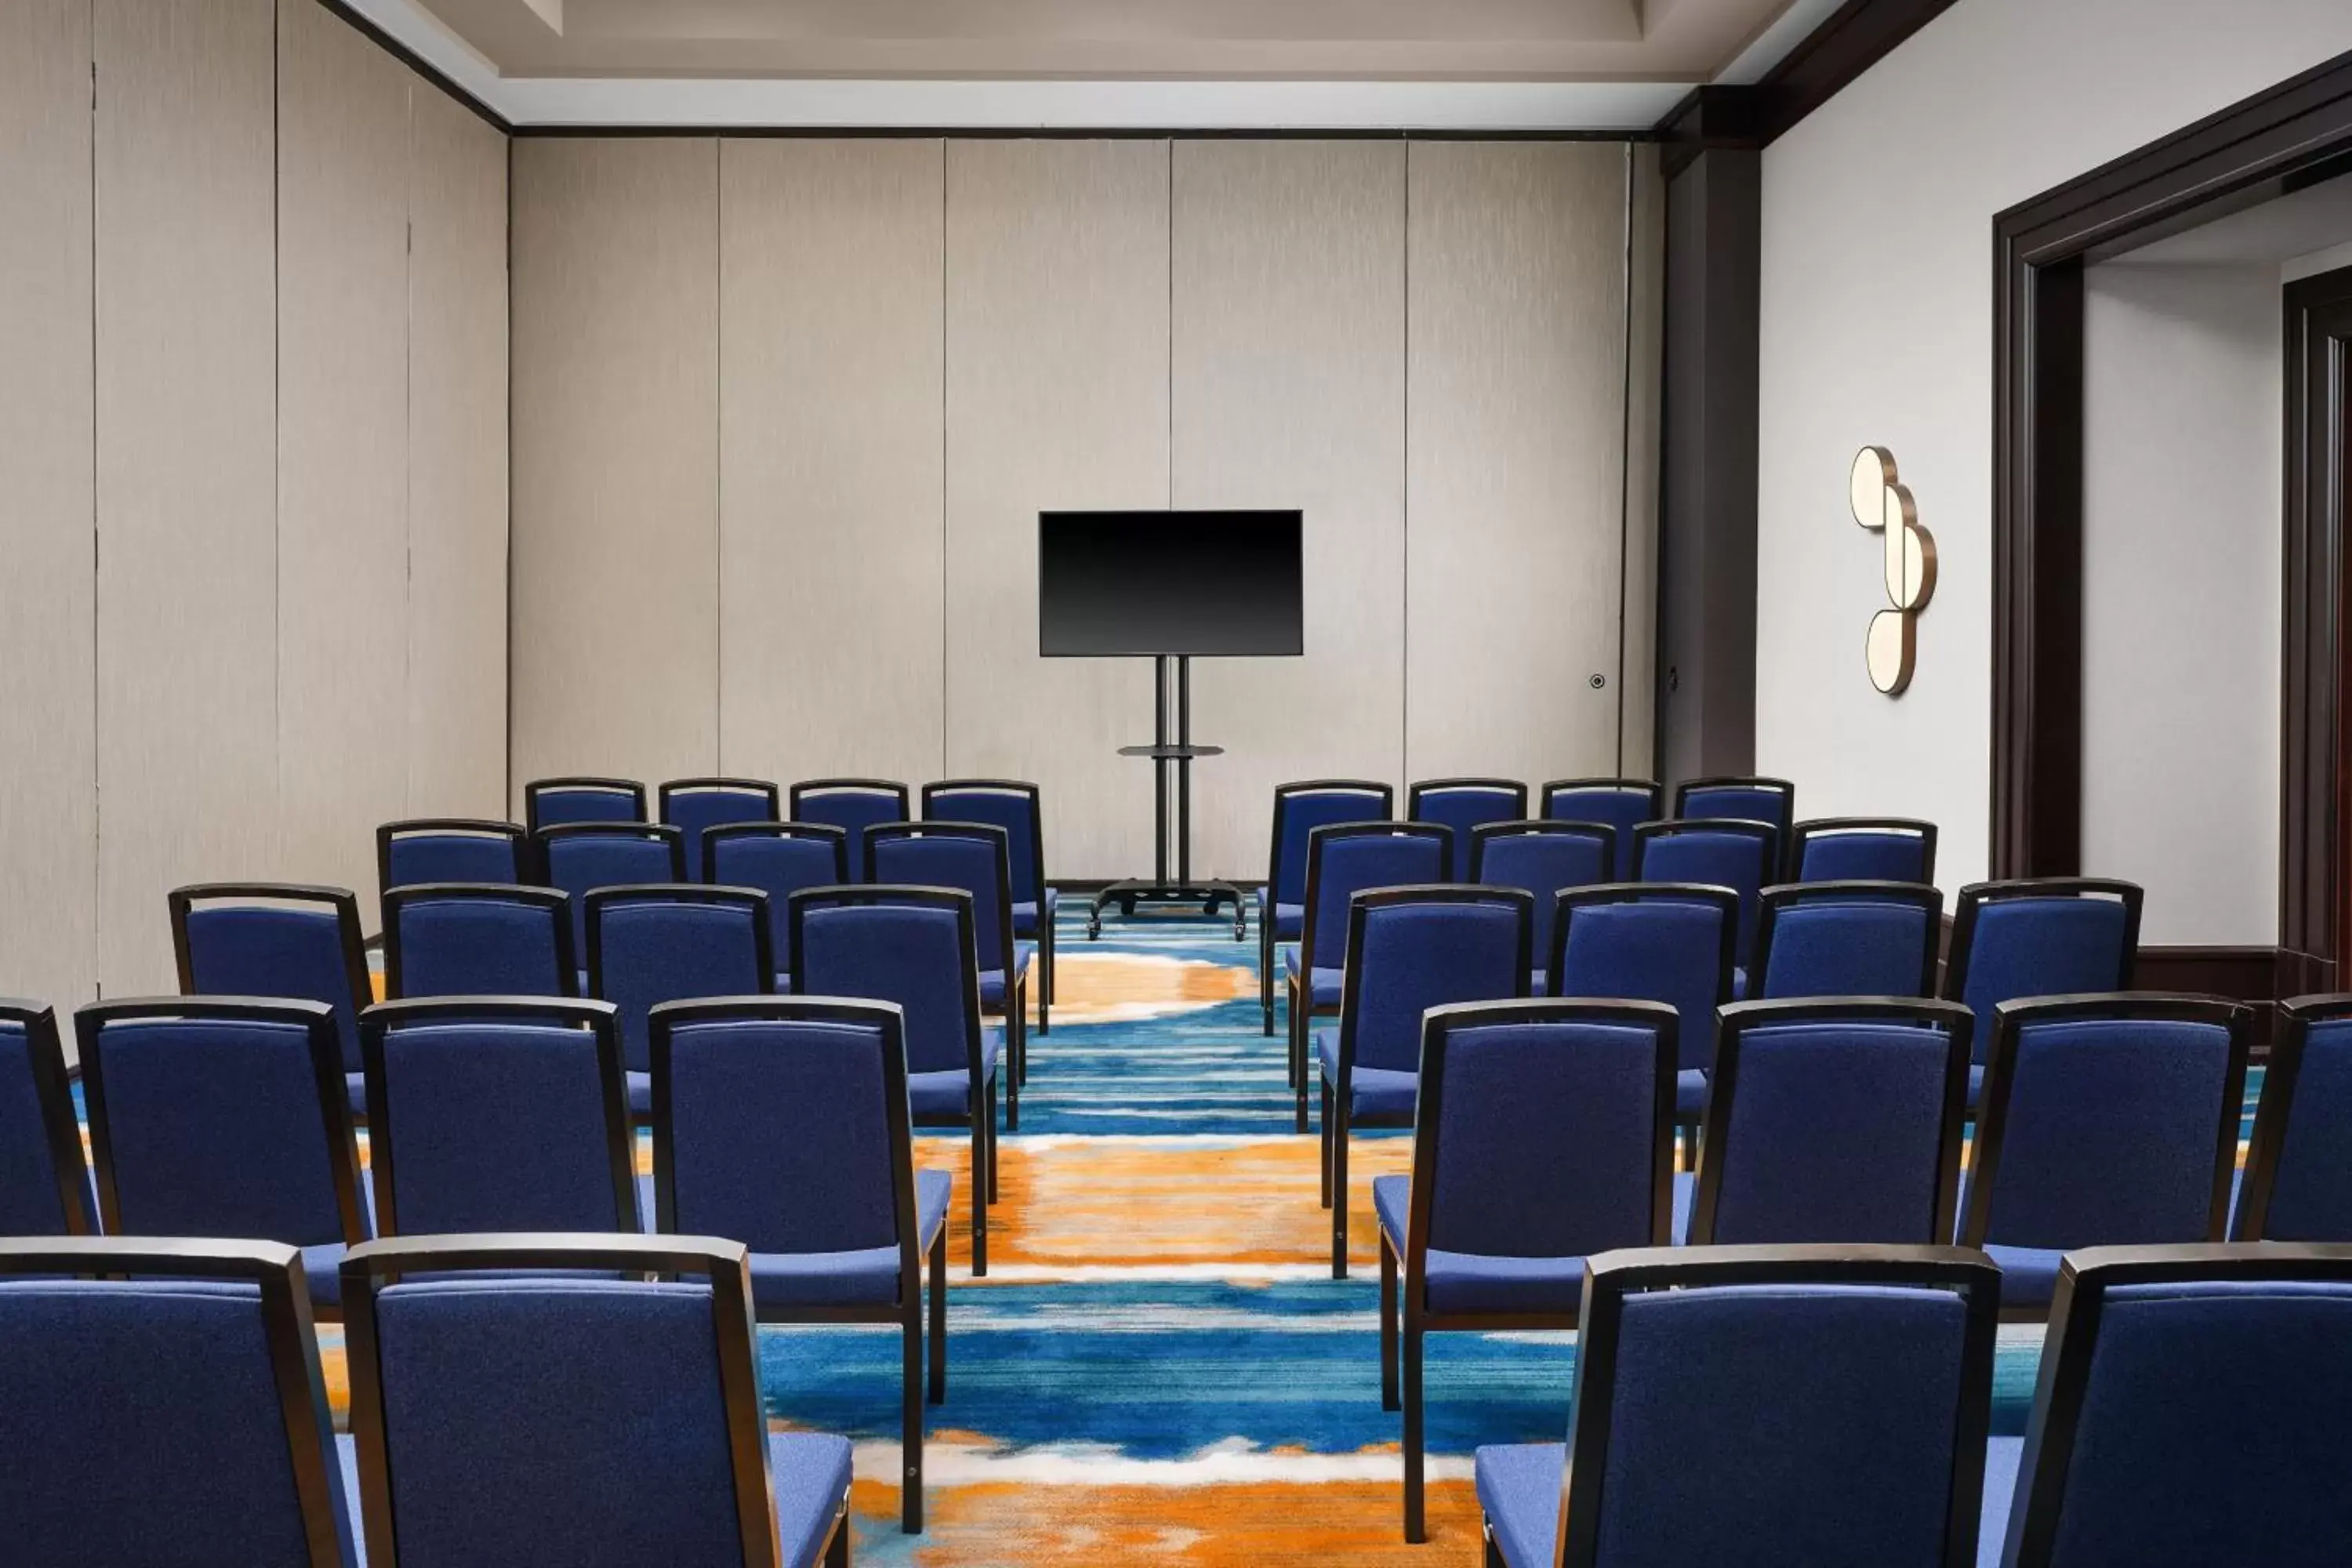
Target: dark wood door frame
pixel 2293 136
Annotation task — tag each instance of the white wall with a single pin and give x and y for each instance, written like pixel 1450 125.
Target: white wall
pixel 1877 284
pixel 2180 594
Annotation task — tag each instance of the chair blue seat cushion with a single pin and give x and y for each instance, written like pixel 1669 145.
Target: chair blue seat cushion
pixel 784 984
pixel 865 1277
pixel 322 1268
pixel 1690 1094
pixel 2028 1274
pixel 1479 1281
pixel 1289 922
pixel 2002 1456
pixel 1685 1195
pixel 992 981
pixel 1738 983
pixel 641 1093
pixel 1024 914
pixel 1976 1085
pixel 1519 1491
pixel 948 1094
pixel 355 1092
pixel 1381 1094
pixel 812 1476
pixel 1327 982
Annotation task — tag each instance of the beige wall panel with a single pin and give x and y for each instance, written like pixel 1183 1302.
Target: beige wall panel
pixel 1637 745
pixel 456 717
pixel 1515 453
pixel 1288 390
pixel 831 654
pixel 1057 397
pixel 342 447
pixel 187 664
pixel 615 604
pixel 48 784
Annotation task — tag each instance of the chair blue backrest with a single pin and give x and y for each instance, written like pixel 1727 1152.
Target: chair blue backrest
pixel 912 946
pixel 695 806
pixel 1545 1128
pixel 1009 804
pixel 1411 949
pixel 1718 853
pixel 450 849
pixel 1834 1121
pixel 583 857
pixel 1344 860
pixel 852 805
pixel 1771 801
pixel 2048 937
pixel 1863 849
pixel 497 1114
pixel 1622 804
pixel 675 942
pixel 1299 809
pixel 275 939
pixel 968 856
pixel 1876 1367
pixel 1847 939
pixel 551 1419
pixel 2195 1408
pixel 2107 1121
pixel 2298 1181
pixel 1544 858
pixel 1650 943
pixel 475 940
pixel 780 859
pixel 220 1117
pixel 172 1413
pixel 1463 804
pixel 553 803
pixel 784 1125
pixel 44 1185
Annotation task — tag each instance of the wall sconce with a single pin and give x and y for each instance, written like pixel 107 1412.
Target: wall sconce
pixel 1883 505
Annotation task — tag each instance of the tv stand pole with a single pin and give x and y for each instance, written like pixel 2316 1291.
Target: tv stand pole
pixel 1172 763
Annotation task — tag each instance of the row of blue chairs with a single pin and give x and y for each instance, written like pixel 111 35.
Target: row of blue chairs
pixel 782 1124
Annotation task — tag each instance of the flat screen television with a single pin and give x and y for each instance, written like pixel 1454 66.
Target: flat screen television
pixel 1212 583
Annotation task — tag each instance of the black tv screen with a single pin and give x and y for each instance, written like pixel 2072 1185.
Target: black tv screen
pixel 1208 583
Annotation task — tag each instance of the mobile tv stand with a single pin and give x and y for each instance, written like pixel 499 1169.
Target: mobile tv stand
pixel 1171 755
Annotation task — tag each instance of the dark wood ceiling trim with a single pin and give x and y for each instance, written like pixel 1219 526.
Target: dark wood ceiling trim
pixel 1855 36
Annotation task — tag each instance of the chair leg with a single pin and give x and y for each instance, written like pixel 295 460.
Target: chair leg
pixel 939 1317
pixel 1324 1145
pixel 910 1428
pixel 981 1177
pixel 1265 971
pixel 1493 1553
pixel 837 1552
pixel 1337 1132
pixel 1044 981
pixel 993 1146
pixel 1290 1026
pixel 1017 1046
pixel 1388 1400
pixel 1416 1527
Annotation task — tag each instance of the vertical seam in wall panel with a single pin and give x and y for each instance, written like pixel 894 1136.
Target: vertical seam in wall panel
pixel 97 791
pixel 1404 496
pixel 277 437
pixel 944 337
pixel 408 459
pixel 718 455
pixel 1168 210
pixel 505 726
pixel 1625 459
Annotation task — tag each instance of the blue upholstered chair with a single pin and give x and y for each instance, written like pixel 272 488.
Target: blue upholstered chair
pixel 520 1417
pixel 782 1124
pixel 1768 801
pixel 973 857
pixel 1014 806
pixel 553 803
pixel 223 1116
pixel 1545 858
pixel 852 805
pixel 1847 939
pixel 2298 1180
pixel 277 938
pixel 1837 1121
pixel 498 1113
pixel 2107 1122
pixel 673 941
pixel 913 946
pixel 2195 1408
pixel 1342 861
pixel 1464 805
pixel 585 855
pixel 2053 936
pixel 694 807
pixel 1652 942
pixel 780 859
pixel 1621 805
pixel 1545 1133
pixel 161 1402
pixel 44 1185
pixel 1716 852
pixel 451 849
pixel 1875 1365
pixel 1863 849
pixel 1409 949
pixel 1299 810
pixel 463 939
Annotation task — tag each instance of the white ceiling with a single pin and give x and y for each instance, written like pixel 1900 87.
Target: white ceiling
pixel 1477 65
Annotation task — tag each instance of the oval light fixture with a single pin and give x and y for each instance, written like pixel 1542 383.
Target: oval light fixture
pixel 1882 504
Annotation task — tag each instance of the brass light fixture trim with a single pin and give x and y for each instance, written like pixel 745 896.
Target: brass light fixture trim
pixel 1884 505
